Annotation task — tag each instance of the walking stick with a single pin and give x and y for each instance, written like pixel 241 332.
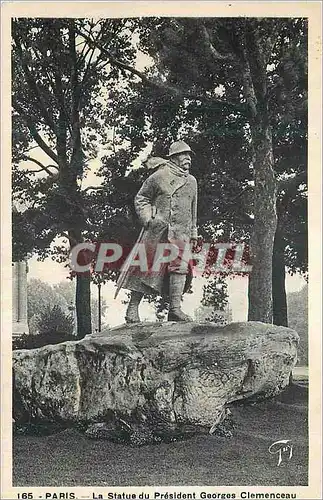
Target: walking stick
pixel 125 267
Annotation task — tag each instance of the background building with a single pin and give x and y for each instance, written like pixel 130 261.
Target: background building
pixel 19 298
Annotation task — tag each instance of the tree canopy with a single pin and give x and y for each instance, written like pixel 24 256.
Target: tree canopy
pixel 61 94
pixel 234 88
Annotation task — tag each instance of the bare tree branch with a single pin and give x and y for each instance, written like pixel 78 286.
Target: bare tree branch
pixel 32 129
pixel 84 54
pixel 118 63
pixel 161 86
pixel 96 188
pixel 87 69
pixel 34 88
pixel 96 64
pixel 77 153
pixel 43 167
pixel 80 43
pixel 208 42
pixel 59 94
pixel 256 60
pixel 103 65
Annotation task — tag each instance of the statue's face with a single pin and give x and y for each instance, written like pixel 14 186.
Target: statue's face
pixel 183 160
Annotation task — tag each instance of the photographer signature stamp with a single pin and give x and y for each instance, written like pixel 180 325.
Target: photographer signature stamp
pixel 283 449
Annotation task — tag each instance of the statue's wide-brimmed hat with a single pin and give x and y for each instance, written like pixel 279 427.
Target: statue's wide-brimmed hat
pixel 179 147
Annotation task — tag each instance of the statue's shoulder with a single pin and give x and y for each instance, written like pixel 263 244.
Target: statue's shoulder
pixel 162 172
pixel 192 179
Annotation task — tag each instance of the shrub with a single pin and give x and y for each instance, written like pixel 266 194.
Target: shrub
pixel 54 327
pixel 54 321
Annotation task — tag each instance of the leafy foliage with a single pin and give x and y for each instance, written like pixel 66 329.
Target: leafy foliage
pixel 205 103
pixel 223 84
pixel 298 320
pixel 215 298
pixel 41 295
pixel 55 323
pixel 44 100
pixel 54 327
pixel 215 293
pixel 61 105
pixel 66 289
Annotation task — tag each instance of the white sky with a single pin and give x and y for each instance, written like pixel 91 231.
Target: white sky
pixel 53 273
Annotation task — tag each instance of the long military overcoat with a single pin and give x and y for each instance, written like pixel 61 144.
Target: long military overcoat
pixel 170 195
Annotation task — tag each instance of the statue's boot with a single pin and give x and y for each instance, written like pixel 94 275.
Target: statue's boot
pixel 132 314
pixel 176 288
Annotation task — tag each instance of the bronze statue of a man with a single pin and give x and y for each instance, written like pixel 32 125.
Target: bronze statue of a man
pixel 166 206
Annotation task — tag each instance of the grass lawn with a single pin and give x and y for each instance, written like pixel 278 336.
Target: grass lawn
pixel 70 459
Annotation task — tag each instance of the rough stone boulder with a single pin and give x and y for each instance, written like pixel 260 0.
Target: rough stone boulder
pixel 160 376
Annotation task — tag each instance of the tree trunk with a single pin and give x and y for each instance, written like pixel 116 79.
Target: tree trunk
pixel 83 307
pixel 265 221
pixel 254 78
pixel 279 289
pixel 83 293
pixel 83 281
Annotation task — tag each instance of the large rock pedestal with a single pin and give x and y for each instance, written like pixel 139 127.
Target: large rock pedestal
pixel 155 375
